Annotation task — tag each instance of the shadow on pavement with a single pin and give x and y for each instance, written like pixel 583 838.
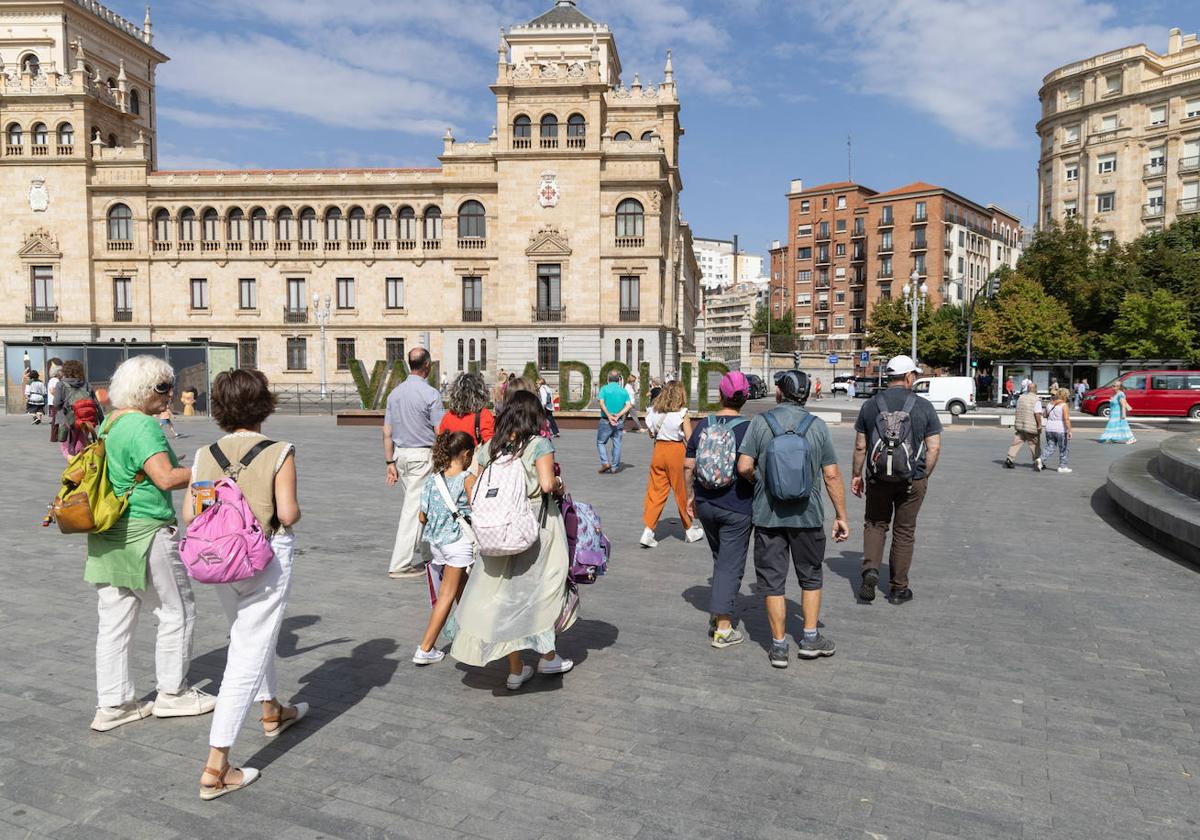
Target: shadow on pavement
pixel 584 636
pixel 1105 508
pixel 289 639
pixel 849 566
pixel 750 614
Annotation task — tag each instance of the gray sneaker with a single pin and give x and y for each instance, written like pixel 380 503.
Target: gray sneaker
pixel 729 638
pixel 779 654
pixel 819 646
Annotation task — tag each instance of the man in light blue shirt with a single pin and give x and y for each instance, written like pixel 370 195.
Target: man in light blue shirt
pixel 614 405
pixel 414 411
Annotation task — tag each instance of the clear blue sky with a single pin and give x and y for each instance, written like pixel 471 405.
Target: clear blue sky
pixel 943 91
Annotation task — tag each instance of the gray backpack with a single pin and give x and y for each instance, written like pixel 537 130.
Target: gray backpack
pixel 894 454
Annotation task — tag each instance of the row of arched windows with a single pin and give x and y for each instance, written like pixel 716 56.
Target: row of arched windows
pixel 472 223
pixel 31 64
pixel 548 131
pixel 39 134
pixel 625 135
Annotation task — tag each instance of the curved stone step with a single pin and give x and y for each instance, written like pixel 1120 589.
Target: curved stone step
pixel 1179 463
pixel 1160 511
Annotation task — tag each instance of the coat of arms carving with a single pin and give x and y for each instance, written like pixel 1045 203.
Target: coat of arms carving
pixel 39 196
pixel 548 191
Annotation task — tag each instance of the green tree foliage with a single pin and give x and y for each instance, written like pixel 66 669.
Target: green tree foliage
pixel 941 333
pixel 1024 322
pixel 1153 326
pixel 783 325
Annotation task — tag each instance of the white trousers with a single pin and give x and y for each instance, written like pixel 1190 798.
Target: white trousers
pixel 255 609
pixel 169 595
pixel 414 466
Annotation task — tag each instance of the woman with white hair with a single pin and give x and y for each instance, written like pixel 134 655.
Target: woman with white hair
pixel 136 563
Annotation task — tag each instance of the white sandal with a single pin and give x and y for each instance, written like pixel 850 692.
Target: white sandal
pixel 207 792
pixel 301 711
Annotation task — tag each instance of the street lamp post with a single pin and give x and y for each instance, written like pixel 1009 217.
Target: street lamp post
pixel 915 297
pixel 322 316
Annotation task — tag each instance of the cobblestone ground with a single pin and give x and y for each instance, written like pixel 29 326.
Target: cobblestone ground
pixel 1043 683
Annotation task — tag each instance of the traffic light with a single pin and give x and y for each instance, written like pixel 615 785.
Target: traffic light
pixel 993 287
pixel 974 363
pixel 796 359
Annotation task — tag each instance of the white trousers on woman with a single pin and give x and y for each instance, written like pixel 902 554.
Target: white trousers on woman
pixel 255 608
pixel 169 595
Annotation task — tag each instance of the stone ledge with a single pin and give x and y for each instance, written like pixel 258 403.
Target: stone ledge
pixel 1167 516
pixel 1178 464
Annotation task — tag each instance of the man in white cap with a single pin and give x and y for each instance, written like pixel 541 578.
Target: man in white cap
pixel 899 438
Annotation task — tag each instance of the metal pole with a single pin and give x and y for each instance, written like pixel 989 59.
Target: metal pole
pixel 913 304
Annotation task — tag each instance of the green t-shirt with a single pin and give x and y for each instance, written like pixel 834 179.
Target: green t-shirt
pixel 614 396
pixel 769 513
pixel 128 444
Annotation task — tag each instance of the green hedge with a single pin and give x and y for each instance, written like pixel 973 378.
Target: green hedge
pixel 707 367
pixel 565 403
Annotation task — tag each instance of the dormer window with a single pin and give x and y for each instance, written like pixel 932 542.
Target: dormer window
pixel 30 64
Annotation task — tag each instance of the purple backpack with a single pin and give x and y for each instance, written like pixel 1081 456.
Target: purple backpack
pixel 587 546
pixel 225 543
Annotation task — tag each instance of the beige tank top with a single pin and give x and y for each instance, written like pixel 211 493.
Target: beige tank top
pixel 257 481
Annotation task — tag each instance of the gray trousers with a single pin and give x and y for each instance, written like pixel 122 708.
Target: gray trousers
pixel 728 536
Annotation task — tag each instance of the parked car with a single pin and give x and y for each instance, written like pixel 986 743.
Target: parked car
pixel 758 388
pixel 1165 393
pixel 840 384
pixel 955 394
pixel 866 386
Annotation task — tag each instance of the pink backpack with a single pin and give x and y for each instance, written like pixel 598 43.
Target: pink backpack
pixel 225 543
pixel 501 515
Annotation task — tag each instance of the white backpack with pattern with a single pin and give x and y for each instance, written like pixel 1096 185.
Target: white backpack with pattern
pixel 501 515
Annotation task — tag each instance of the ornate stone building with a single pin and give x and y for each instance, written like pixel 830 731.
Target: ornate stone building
pixel 559 237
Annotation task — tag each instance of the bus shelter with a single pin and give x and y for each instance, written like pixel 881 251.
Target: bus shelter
pixel 1066 372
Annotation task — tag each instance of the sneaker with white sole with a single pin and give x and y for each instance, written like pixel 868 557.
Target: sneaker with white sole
pixel 1037 464
pixel 727 638
pixel 110 717
pixel 184 704
pixel 694 533
pixel 515 681
pixel 557 665
pixel 427 657
pixel 1064 469
pixel 647 539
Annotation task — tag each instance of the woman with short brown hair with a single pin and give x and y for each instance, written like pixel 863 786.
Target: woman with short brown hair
pixel 667 422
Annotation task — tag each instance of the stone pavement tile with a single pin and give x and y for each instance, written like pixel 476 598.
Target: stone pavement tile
pixel 19 815
pixel 366 822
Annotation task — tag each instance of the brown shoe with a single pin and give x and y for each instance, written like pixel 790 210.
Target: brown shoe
pixel 603 468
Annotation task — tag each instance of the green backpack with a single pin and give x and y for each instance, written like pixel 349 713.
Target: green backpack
pixel 86 502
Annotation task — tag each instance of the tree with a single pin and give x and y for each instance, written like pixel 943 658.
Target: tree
pixel 785 324
pixel 1024 322
pixel 1170 260
pixel 941 333
pixel 1153 326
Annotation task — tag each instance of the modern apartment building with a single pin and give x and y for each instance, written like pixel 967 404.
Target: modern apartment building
pixel 1120 139
pixel 851 246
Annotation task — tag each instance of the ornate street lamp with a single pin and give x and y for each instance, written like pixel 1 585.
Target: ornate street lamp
pixel 322 316
pixel 915 297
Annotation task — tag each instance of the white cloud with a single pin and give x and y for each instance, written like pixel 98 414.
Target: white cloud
pixel 205 119
pixel 974 66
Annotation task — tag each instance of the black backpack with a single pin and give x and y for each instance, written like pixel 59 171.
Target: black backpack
pixel 894 453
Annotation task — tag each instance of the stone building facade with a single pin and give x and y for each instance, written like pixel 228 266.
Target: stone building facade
pixel 1120 139
pixel 557 238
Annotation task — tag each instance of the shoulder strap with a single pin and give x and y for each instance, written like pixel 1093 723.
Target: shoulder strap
pixel 439 481
pixel 224 463
pixel 477 437
pixel 909 401
pixel 219 457
pixel 772 423
pixel 881 401
pixel 255 451
pixel 802 428
pixel 734 422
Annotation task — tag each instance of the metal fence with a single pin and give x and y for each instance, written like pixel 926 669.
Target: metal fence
pixel 306 399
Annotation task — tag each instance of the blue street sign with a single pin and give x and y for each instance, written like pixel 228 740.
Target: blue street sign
pixel 833 360
pixel 864 357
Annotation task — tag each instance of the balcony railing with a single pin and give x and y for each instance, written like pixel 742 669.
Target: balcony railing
pixel 431 244
pixel 122 315
pixel 576 142
pixel 549 142
pixel 630 241
pixel 522 143
pixel 471 243
pixel 920 218
pixel 14 151
pixel 887 221
pixel 259 245
pixel 858 303
pixel 65 151
pixel 1154 170
pixel 884 273
pixel 186 247
pixel 382 244
pixel 858 256
pixel 550 313
pixel 858 233
pixel 307 245
pixel 41 150
pixel 822 235
pixel 920 245
pixel 295 315
pixel 407 244
pixel 356 245
pixel 333 245
pixel 885 248
pixel 1151 211
pixel 233 245
pixel 41 314
pixel 120 245
pixel 210 245
pixel 628 315
pixel 162 245
pixel 858 279
pixel 1189 205
pixel 472 316
pixel 282 245
pixel 823 259
pixel 1189 164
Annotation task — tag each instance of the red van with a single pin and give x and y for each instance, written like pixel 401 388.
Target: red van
pixel 1151 393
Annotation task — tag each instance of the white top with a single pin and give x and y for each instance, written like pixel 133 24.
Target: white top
pixel 1054 419
pixel 666 426
pixel 546 396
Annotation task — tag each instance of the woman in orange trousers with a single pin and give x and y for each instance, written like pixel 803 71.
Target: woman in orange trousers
pixel 668 423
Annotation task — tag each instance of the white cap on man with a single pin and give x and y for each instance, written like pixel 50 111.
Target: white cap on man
pixel 900 365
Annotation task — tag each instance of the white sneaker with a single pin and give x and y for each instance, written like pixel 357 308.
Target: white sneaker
pixel 515 681
pixel 110 717
pixel 184 704
pixel 1064 469
pixel 1037 464
pixel 557 665
pixel 648 540
pixel 427 657
pixel 695 533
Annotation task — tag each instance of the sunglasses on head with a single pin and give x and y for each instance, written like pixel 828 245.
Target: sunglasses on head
pixel 164 387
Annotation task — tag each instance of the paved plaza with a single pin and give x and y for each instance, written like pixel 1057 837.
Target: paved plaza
pixel 1042 684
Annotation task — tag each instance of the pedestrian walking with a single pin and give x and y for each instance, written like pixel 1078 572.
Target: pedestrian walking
pixel 546 396
pixel 850 388
pixel 166 421
pixel 614 405
pixel 35 397
pixel 51 395
pixel 466 408
pixel 446 516
pixel 77 410
pixel 135 564
pixel 669 425
pixel 817 389
pixel 783 454
pixel 632 389
pixel 265 471
pixel 1058 430
pixel 1117 430
pixel 1009 387
pixel 515 603
pixel 722 501
pixel 656 386
pixel 414 410
pixel 1027 428
pixel 1081 388
pixel 898 439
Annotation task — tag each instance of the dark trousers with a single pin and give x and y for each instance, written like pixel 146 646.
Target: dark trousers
pixel 553 423
pixel 895 505
pixel 728 536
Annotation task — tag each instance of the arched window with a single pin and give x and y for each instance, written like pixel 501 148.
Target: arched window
pixel 383 224
pixel 622 135
pixel 258 225
pixel 433 224
pixel 630 219
pixel 576 131
pixel 187 225
pixel 616 349
pixel 40 135
pixel 460 354
pixel 641 351
pixel 472 223
pixel 358 224
pixel 210 221
pixel 549 131
pixel 408 223
pixel 308 224
pixel 237 225
pixel 112 141
pixel 522 132
pixel 14 135
pixel 647 135
pixel 66 135
pixel 30 64
pixel 629 352
pixel 162 225
pixel 112 83
pixel 483 354
pixel 471 350
pixel 285 225
pixel 135 102
pixel 95 134
pixel 333 224
pixel 120 223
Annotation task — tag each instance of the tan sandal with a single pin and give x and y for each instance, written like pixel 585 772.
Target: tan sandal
pixel 207 792
pixel 282 723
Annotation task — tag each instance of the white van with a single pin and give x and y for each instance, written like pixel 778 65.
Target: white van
pixel 955 394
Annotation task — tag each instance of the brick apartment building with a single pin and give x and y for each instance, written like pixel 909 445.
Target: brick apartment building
pixel 849 246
